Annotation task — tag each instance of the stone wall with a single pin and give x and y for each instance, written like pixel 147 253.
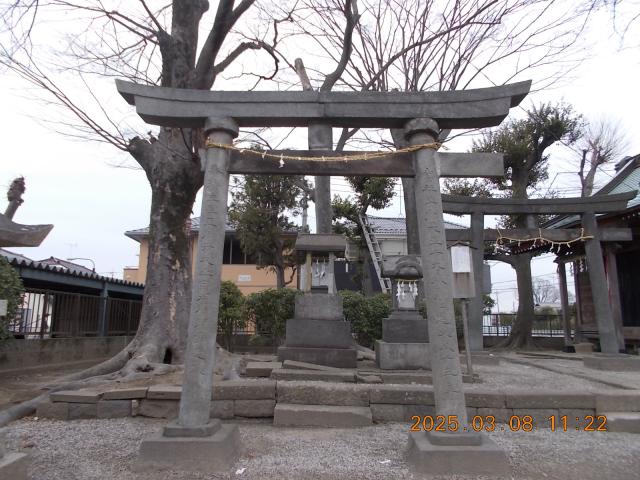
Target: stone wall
pixel 16 353
pixel 388 402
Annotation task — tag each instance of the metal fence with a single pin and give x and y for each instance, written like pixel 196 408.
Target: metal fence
pixel 500 324
pixel 50 313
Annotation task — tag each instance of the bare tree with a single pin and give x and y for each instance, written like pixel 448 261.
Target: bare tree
pixel 412 45
pixel 148 45
pixel 602 141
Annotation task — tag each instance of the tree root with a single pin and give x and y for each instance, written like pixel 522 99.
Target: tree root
pixel 123 367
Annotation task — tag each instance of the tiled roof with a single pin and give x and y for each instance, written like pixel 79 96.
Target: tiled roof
pixel 396 226
pixel 141 233
pixel 20 261
pixel 60 264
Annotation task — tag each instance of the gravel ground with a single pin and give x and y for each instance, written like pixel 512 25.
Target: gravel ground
pixel 107 449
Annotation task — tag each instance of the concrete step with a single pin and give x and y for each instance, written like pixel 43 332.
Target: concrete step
pixel 345 376
pixel 627 422
pixel 293 415
pixel 261 369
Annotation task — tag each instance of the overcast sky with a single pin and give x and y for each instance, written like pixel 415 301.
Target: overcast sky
pixel 76 185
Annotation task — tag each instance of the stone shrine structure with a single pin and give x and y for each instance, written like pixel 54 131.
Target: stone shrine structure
pixel 318 332
pixel 405 337
pixel 194 441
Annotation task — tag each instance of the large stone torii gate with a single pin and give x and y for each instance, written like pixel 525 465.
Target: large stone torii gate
pixel 422 115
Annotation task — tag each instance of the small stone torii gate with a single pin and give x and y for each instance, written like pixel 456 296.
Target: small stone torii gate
pixel 586 207
pixel 422 115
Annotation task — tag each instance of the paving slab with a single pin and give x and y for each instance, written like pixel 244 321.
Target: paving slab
pixel 288 415
pixel 113 408
pixel 125 394
pixel 74 396
pixel 620 401
pixel 247 389
pixel 261 369
pixel 158 408
pixel 295 365
pixel 253 408
pixel 402 394
pixel 53 410
pixel 221 409
pixel 540 399
pixel 323 393
pixel 382 412
pixel 82 411
pixel 314 375
pixel 615 363
pixel 623 422
pixel 164 392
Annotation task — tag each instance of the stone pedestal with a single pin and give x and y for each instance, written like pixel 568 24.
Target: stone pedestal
pixel 402 356
pixel 404 344
pixel 456 454
pixel 318 333
pixel 206 450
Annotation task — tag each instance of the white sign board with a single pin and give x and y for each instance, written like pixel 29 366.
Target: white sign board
pixel 3 308
pixel 460 259
pixel 244 278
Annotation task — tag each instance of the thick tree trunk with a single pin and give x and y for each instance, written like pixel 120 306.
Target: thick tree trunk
pixel 520 336
pixel 174 182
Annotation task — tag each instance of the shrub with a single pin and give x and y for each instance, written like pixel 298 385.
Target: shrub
pixel 11 289
pixel 365 315
pixel 270 309
pixel 230 313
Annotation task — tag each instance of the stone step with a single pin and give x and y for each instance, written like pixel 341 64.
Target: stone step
pixel 344 376
pixel 261 369
pixel 293 415
pixel 627 422
pixel 294 365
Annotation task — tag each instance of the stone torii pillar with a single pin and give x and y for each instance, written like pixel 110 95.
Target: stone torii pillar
pixel 460 449
pixel 194 441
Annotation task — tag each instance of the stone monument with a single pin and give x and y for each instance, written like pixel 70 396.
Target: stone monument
pixel 405 339
pixel 318 332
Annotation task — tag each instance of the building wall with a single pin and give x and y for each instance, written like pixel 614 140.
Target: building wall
pixel 247 277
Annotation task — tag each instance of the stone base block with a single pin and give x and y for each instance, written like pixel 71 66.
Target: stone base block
pixel 53 410
pixel 14 466
pixel 623 422
pixel 405 327
pixel 261 369
pixel 293 365
pixel 302 332
pixel 402 356
pixel 333 357
pixel 114 408
pixel 583 348
pixel 475 454
pixel 288 415
pixel 613 362
pixel 313 375
pixel 319 306
pixel 215 454
pixel 254 408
